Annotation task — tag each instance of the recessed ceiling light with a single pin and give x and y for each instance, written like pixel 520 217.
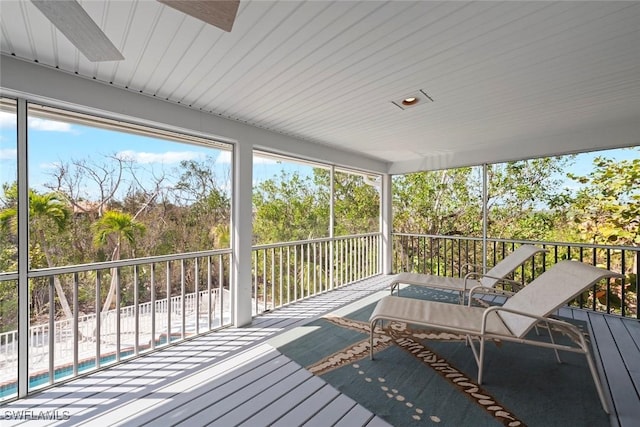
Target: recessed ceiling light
pixel 415 99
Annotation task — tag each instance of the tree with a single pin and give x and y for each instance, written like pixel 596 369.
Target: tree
pixel 607 207
pixel 201 201
pixel 290 208
pixel 82 179
pixel 443 202
pixel 526 199
pixel 115 228
pixel 356 204
pixel 46 211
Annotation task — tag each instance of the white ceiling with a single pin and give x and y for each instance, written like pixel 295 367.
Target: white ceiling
pixel 504 76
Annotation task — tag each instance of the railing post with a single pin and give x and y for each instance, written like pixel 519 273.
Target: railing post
pixel 264 282
pixel 221 289
pixel 288 274
pixel 623 267
pixel 280 285
pixel 98 332
pixel 197 292
pixel 52 329
pixel 153 306
pixel 117 314
pixel 183 314
pixel 136 312
pixel 75 324
pixel 255 280
pixel 168 289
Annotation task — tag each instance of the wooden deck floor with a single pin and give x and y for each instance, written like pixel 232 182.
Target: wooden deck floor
pixel 232 378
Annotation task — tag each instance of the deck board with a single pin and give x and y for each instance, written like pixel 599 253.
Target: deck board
pixel 203 410
pixel 291 399
pixel 260 400
pixel 356 417
pixel 623 393
pixel 627 347
pixel 332 412
pixel 308 408
pixel 233 378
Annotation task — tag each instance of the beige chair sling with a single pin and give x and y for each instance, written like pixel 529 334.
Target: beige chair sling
pixel 493 277
pixel 510 322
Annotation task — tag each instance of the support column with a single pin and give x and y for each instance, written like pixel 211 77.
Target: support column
pixel 485 197
pixel 23 252
pixel 332 243
pixel 386 224
pixel 242 231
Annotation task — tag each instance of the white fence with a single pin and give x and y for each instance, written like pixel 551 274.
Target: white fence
pixel 146 332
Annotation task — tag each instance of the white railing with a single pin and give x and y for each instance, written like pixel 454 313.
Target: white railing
pixel 284 273
pixel 199 301
pixel 38 334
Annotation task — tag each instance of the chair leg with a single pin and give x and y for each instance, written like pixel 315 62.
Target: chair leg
pixel 481 360
pixel 373 327
pixel 594 374
pixel 553 342
pixel 477 354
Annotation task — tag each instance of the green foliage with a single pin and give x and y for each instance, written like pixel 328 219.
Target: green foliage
pixel 526 199
pixel 118 226
pixel 447 202
pixel 607 207
pixel 357 205
pixel 289 208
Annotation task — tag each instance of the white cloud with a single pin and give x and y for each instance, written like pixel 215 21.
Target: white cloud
pixel 224 158
pixel 8 120
pixel 8 154
pixel 165 158
pixel 51 165
pixel 263 161
pixel 36 123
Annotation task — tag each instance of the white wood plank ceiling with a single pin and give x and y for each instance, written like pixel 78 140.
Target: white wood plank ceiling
pixel 500 73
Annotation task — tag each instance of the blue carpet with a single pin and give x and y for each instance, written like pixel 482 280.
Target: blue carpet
pixel 424 377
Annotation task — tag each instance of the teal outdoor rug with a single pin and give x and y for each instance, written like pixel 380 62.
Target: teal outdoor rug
pixel 422 377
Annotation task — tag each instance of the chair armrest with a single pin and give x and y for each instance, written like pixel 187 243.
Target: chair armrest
pixel 479 289
pixel 573 329
pixel 514 284
pixel 467 265
pixel 474 275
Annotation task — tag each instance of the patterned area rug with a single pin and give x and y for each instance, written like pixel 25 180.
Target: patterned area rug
pixel 423 377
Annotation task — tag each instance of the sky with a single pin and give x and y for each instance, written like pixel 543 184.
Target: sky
pixel 52 142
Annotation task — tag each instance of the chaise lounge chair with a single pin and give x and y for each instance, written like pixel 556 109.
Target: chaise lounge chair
pixel 490 280
pixel 509 322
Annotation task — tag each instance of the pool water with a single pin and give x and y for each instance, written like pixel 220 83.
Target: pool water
pixel 11 389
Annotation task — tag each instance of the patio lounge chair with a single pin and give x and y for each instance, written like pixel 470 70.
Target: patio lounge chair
pixel 497 275
pixel 509 322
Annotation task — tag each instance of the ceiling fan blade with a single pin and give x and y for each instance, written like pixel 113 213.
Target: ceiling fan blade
pixel 219 13
pixel 76 24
